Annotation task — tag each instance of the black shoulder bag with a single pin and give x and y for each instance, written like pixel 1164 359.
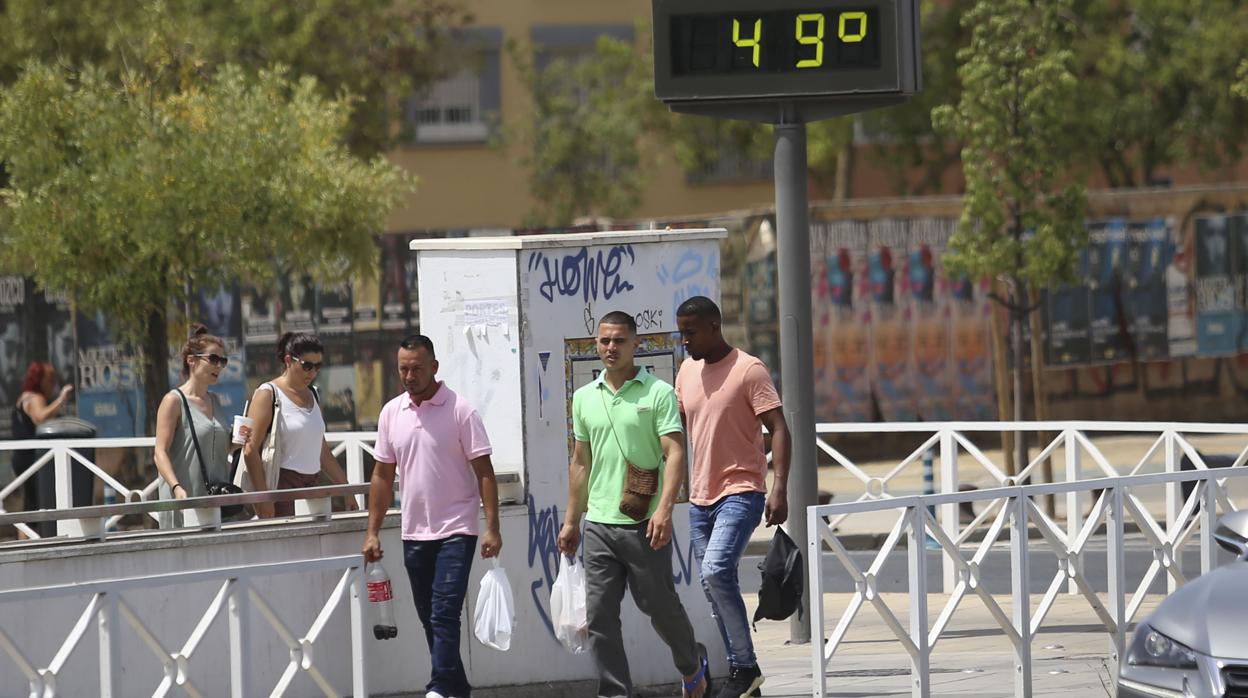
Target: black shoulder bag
pixel 213 487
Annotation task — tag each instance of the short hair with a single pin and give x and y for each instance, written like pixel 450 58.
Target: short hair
pixel 298 344
pixel 413 342
pixel 700 307
pixel 198 339
pixel 619 317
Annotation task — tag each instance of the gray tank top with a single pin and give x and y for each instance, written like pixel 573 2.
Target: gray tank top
pixel 214 442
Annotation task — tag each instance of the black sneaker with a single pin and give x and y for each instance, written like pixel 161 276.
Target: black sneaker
pixel 742 682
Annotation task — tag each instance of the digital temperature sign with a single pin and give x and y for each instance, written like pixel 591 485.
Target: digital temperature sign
pixel 822 56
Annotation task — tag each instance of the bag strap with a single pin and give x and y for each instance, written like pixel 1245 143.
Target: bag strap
pixel 611 422
pixel 190 425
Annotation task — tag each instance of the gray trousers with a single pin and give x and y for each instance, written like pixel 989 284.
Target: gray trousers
pixel 617 556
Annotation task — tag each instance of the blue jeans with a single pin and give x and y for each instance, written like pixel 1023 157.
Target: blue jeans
pixel 720 533
pixel 438 571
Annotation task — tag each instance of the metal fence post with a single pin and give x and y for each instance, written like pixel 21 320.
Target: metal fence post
pixel 110 645
pixel 949 512
pixel 1208 521
pixel 1174 500
pixel 1074 508
pixel 64 490
pixel 916 552
pixel 1116 571
pixel 359 622
pixel 240 640
pixel 814 566
pixel 1020 579
pixel 355 467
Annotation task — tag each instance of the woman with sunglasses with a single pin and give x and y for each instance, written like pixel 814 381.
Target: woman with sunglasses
pixel 303 452
pixel 203 358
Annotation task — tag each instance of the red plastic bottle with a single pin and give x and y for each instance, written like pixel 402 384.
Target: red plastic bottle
pixel 380 597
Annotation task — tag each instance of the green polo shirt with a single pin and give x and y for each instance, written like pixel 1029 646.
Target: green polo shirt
pixel 643 410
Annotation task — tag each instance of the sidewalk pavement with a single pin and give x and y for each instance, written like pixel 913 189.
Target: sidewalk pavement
pixel 867 530
pixel 1070 655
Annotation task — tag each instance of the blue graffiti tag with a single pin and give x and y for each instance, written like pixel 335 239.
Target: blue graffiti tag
pixel 686 562
pixel 689 265
pixel 544 528
pixel 585 274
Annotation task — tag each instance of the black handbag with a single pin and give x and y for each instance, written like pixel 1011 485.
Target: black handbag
pixel 213 487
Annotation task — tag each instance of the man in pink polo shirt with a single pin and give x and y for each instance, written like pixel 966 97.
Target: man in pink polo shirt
pixel 725 397
pixel 438 443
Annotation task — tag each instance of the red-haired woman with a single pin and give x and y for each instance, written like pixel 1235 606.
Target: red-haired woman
pixel 34 407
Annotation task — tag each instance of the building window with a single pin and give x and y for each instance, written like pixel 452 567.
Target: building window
pixel 463 106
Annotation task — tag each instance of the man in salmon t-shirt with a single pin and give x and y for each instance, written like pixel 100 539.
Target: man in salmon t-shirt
pixel 725 396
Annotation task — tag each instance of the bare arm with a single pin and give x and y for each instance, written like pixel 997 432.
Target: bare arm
pixel 168 416
pixel 777 502
pixel 40 410
pixel 660 528
pixel 483 467
pixel 578 497
pixel 261 413
pixel 380 497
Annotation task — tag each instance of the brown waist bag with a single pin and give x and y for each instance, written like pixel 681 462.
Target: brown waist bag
pixel 640 486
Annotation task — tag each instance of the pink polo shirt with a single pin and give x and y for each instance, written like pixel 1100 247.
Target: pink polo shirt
pixel 432 445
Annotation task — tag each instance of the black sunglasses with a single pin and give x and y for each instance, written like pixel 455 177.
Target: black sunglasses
pixel 215 359
pixel 310 366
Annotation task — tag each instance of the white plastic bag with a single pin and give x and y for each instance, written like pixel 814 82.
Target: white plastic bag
pixel 568 607
pixel 495 615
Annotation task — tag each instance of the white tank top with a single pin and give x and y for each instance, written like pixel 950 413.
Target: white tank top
pixel 303 430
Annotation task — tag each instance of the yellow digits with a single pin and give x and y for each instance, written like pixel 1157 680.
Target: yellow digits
pixel 860 17
pixel 748 43
pixel 817 39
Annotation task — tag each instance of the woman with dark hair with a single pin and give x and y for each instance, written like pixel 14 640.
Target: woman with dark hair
pixel 203 357
pixel 35 406
pixel 300 451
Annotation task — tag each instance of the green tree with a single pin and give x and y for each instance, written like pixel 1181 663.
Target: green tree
pixel 584 146
pixel 1022 218
pixel 126 195
pixel 1241 88
pixel 379 51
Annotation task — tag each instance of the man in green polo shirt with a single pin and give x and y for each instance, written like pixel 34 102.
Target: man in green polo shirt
pixel 628 418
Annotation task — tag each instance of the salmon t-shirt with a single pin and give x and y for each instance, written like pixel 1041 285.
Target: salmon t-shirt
pixel 721 402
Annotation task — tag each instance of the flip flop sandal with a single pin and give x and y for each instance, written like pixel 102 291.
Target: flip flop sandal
pixel 704 672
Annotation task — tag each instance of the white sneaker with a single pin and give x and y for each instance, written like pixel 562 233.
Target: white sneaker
pixel 434 694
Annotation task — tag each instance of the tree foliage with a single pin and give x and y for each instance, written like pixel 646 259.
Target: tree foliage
pixel 380 51
pixel 1013 119
pixel 126 195
pixel 584 145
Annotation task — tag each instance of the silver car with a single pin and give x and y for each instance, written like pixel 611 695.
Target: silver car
pixel 1195 645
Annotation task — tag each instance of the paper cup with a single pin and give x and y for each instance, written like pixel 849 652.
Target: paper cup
pixel 242 427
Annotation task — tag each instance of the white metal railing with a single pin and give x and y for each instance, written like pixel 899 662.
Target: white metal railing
pixel 1016 509
pixel 237 596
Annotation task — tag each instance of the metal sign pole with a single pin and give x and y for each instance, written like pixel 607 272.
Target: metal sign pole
pixel 796 344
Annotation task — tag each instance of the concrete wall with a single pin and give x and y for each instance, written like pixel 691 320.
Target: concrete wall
pixel 39 628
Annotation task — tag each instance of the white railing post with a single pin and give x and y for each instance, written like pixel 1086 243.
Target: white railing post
pixel 1115 570
pixel 1020 581
pixel 949 512
pixel 110 645
pixel 64 490
pixel 916 552
pixel 359 626
pixel 355 467
pixel 1074 508
pixel 1174 500
pixel 814 566
pixel 240 640
pixel 1208 521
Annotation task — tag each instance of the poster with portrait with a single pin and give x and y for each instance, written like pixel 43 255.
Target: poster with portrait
pixel 1181 293
pixel 931 335
pixel 1238 227
pixel 887 270
pixel 1107 265
pixel 56 313
pixel 1217 314
pixel 1067 320
pixel 110 388
pixel 336 383
pixel 394 299
pixel 14 356
pixel 840 311
pixel 333 309
pixel 1147 259
pixel 220 310
pixel 298 304
pixel 260 307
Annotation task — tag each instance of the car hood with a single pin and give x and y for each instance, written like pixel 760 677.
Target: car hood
pixel 1209 614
